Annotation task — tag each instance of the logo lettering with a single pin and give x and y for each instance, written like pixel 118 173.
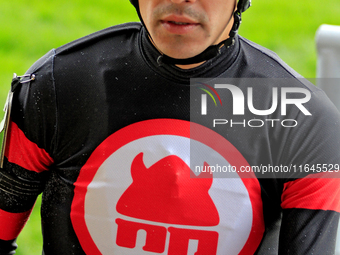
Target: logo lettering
pixel 239 100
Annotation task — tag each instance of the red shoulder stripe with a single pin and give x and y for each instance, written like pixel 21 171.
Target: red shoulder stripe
pixel 12 223
pixel 25 153
pixel 315 192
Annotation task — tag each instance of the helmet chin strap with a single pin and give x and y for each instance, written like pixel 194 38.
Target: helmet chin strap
pixel 213 50
pixel 209 53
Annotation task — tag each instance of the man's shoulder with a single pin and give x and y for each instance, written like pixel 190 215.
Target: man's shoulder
pixel 268 63
pixel 264 63
pixel 114 32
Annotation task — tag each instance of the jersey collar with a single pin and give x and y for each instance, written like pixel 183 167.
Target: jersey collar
pixel 211 68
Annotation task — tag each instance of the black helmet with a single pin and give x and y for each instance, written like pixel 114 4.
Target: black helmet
pixel 211 51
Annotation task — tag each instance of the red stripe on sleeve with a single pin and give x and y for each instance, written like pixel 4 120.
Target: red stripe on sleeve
pixel 12 223
pixel 23 152
pixel 315 192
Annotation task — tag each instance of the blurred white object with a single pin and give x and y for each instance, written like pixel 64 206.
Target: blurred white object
pixel 328 64
pixel 328 46
pixel 328 71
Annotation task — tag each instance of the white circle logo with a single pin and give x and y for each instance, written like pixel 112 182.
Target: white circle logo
pixel 140 193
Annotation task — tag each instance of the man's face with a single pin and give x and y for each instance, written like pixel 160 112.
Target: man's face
pixel 185 28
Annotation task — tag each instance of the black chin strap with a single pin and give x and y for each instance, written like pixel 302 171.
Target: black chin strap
pixel 209 53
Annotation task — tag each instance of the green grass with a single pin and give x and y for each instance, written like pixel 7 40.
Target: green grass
pixel 289 27
pixel 31 28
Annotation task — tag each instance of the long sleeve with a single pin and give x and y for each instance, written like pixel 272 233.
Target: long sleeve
pixel 311 201
pixel 27 153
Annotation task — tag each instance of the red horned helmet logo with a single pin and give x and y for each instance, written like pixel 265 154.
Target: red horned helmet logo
pixel 166 193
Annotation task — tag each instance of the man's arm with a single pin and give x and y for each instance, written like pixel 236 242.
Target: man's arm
pixel 21 181
pixel 311 195
pixel 17 198
pixel 28 150
pixel 310 216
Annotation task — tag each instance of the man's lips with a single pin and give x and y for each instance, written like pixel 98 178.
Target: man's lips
pixel 179 24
